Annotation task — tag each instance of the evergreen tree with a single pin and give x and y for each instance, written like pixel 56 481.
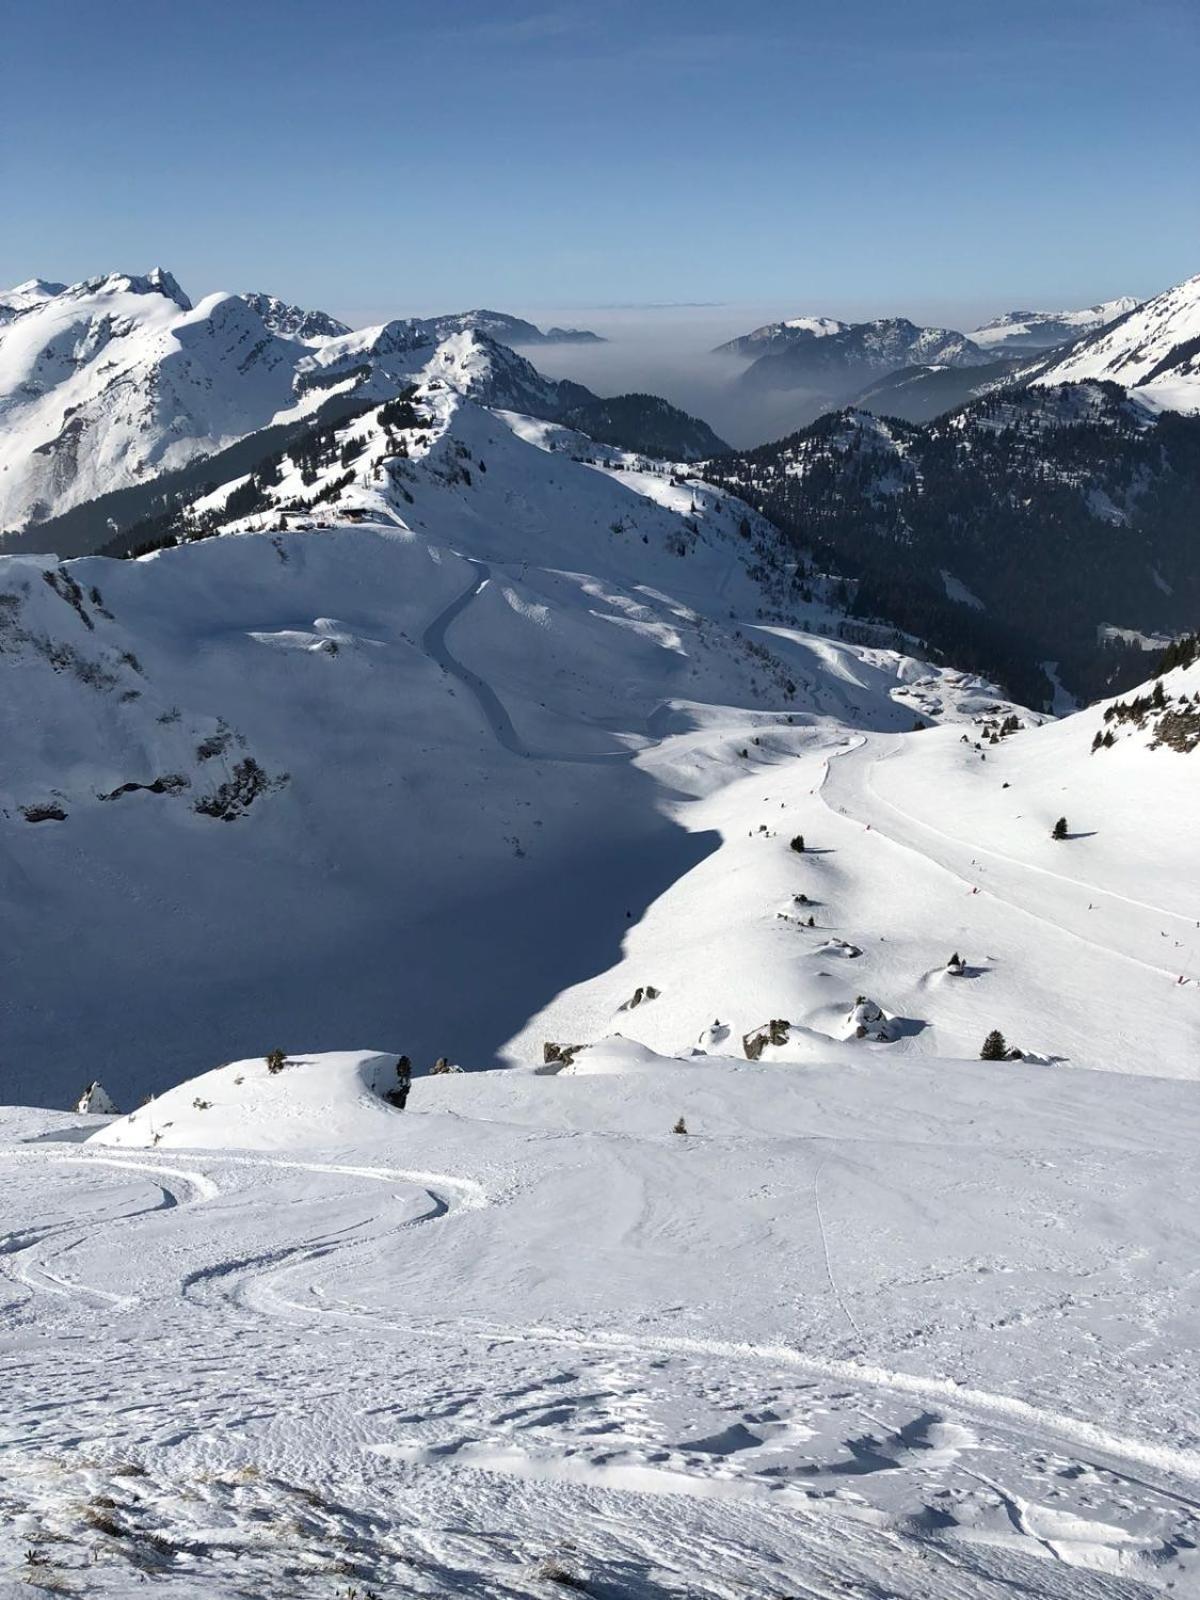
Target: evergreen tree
pixel 1060 829
pixel 798 844
pixel 994 1047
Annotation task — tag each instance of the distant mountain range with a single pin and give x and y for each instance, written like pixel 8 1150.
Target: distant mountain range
pixel 896 368
pixel 112 386
pixel 505 329
pixel 1152 350
pixel 832 359
pixel 1062 500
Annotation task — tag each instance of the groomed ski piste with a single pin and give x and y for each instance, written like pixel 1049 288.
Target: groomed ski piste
pixel 885 1320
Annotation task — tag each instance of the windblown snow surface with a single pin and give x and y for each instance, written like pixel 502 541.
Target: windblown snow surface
pixel 532 746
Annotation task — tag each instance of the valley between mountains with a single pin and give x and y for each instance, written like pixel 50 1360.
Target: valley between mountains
pixel 791 1187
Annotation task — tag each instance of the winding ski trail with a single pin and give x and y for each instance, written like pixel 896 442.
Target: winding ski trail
pixel 433 642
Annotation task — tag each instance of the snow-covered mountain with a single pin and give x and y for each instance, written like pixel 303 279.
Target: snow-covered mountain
pixel 294 322
pixel 1027 332
pixel 1149 349
pixel 1153 352
pixel 834 359
pixel 439 587
pixel 507 329
pixel 773 337
pixel 114 384
pixel 14 302
pixel 114 380
pixel 441 730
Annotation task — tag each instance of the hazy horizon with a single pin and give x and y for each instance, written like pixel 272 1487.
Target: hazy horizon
pixel 669 350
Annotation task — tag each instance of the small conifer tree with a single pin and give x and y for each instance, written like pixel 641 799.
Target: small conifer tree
pixel 1060 829
pixel 798 844
pixel 994 1047
pixel 276 1061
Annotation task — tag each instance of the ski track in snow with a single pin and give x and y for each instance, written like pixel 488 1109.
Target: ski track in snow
pixel 1030 1421
pixel 832 801
pixel 466 1194
pixel 588 1430
pixel 433 642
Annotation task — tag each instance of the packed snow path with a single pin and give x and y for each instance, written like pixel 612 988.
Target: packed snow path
pixel 434 643
pixel 496 717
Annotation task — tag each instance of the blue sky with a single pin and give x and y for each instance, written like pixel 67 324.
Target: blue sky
pixel 378 158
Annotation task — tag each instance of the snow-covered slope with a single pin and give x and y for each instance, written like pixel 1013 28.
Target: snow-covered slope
pixel 395 739
pixel 1153 351
pixel 289 1103
pixel 451 732
pixel 1021 332
pixel 117 379
pixel 872 1327
pixel 918 847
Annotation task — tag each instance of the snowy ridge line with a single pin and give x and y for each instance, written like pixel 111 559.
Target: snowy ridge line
pixel 1000 899
pixel 1006 1408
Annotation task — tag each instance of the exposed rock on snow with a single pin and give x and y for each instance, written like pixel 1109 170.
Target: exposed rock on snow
pixel 867 1020
pixel 775 1033
pixel 842 948
pixel 96 1101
